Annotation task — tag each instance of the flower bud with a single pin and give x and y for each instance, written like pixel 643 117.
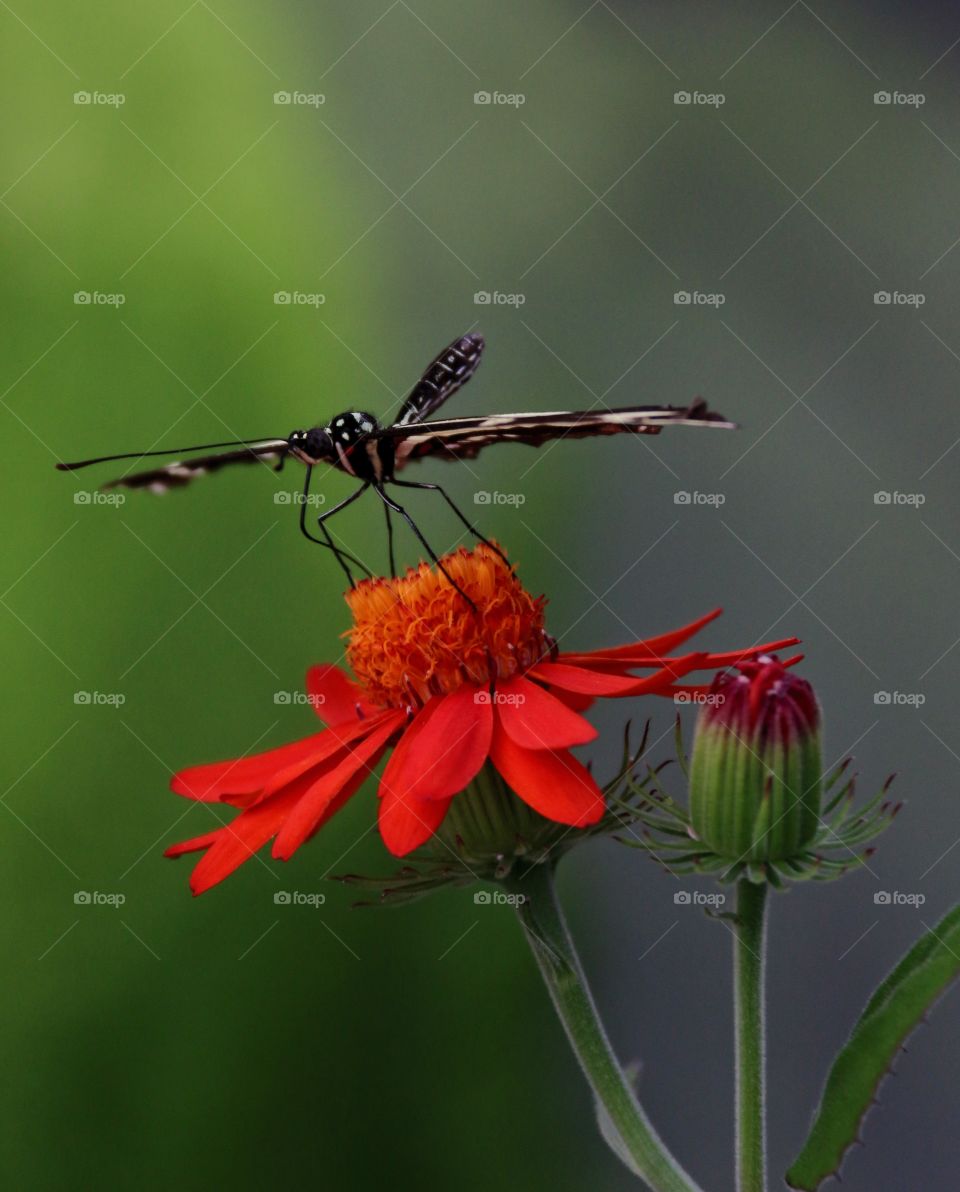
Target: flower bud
pixel 755 777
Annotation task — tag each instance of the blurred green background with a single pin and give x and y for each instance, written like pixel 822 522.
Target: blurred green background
pixel 171 1042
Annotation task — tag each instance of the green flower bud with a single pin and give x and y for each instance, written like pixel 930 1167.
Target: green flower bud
pixel 756 777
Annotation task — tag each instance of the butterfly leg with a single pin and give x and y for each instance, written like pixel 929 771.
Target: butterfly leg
pixel 327 540
pixel 393 564
pixel 469 525
pixel 391 504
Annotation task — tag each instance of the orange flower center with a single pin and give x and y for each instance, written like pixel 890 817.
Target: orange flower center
pixel 416 636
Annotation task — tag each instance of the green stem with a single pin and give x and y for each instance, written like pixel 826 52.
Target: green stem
pixel 553 948
pixel 749 956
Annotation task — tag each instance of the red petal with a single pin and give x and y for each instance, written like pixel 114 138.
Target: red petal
pixel 265 773
pixel 691 689
pixel 244 775
pixel 650 649
pixel 535 719
pixel 596 683
pixel 573 699
pixel 192 846
pixel 333 696
pixel 731 657
pixel 342 769
pixel 554 784
pixel 407 823
pixel 236 842
pixel 336 737
pixel 444 747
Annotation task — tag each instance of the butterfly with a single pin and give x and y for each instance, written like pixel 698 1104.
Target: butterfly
pixel 354 442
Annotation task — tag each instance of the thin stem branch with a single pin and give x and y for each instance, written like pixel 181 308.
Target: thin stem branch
pixel 749 958
pixel 550 941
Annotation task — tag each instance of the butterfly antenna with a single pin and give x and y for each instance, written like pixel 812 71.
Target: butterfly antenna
pixel 105 459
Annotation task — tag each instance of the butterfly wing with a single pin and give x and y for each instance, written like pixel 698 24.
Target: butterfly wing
pixel 181 472
pixel 465 438
pixel 455 365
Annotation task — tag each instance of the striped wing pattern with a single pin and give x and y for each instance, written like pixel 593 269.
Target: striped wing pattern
pixel 180 473
pixel 465 438
pixel 443 376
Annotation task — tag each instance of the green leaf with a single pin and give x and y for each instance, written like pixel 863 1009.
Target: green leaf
pixel 898 1005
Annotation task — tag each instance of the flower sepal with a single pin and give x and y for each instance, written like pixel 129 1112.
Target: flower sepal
pixel 486 836
pixel 668 834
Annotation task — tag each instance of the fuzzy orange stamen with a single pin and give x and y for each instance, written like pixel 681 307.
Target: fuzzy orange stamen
pixel 415 636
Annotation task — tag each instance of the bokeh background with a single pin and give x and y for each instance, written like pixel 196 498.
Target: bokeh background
pixel 171 1042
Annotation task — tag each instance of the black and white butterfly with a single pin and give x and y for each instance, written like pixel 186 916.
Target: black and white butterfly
pixel 357 444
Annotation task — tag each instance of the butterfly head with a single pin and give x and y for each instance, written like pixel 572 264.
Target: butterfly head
pixel 312 446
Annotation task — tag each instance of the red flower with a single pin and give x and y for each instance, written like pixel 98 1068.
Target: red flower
pixel 446 689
